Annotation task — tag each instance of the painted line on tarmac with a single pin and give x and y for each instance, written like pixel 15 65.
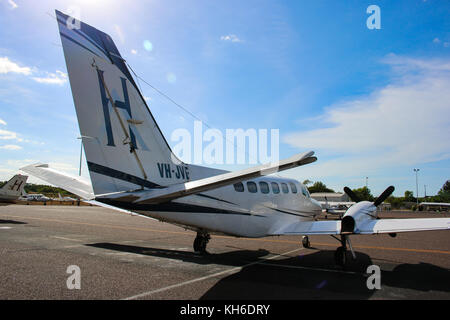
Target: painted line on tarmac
pixel 67 239
pixel 232 270
pixel 308 268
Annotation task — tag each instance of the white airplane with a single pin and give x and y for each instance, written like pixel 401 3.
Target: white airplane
pixel 13 189
pixel 132 167
pixel 336 207
pixel 61 198
pixel 35 197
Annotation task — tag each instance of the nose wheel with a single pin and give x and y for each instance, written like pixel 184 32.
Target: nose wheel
pixel 305 242
pixel 340 255
pixel 201 242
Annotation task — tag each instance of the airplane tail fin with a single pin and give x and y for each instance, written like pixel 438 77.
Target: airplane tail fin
pixel 124 147
pixel 15 186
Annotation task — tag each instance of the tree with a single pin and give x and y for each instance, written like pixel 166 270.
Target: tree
pixel 306 182
pixel 364 194
pixel 409 195
pixel 444 193
pixel 319 186
pixel 47 190
pixel 446 186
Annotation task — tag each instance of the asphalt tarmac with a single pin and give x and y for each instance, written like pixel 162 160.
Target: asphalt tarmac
pixel 128 257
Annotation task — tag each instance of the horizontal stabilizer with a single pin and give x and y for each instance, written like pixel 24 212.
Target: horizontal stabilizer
pixel 76 185
pixel 192 187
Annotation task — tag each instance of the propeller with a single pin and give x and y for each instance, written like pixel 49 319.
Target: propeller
pixel 351 194
pixel 386 193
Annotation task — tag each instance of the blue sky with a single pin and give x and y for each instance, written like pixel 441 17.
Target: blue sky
pixel 370 103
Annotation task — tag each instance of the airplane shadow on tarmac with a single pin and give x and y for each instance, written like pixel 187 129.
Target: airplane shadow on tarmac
pixel 11 222
pixel 314 276
pixel 232 258
pixel 305 276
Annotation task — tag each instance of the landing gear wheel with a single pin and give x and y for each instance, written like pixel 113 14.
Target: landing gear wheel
pixel 340 256
pixel 305 242
pixel 200 243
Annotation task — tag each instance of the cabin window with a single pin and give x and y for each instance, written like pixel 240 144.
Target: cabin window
pixel 305 192
pixel 293 187
pixel 264 187
pixel 239 187
pixel 275 188
pixel 251 186
pixel 284 187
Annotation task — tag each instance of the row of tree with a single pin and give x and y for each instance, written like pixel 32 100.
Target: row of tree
pixel 46 190
pixel 318 186
pixel 364 193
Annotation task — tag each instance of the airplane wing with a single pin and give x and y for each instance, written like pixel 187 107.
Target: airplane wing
pixel 308 228
pixel 83 189
pixel 404 225
pixel 370 227
pixel 192 187
pixel 76 185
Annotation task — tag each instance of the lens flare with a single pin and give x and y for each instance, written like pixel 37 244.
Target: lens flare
pixel 148 45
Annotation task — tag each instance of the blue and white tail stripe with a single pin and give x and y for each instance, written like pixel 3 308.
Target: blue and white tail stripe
pixel 93 40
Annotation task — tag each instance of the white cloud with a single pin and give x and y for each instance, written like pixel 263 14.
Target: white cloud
pixel 11 147
pixel 134 51
pixel 446 44
pixel 7 66
pixel 9 135
pixel 59 78
pixel 404 123
pixel 230 37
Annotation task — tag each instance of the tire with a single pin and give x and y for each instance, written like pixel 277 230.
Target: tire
pixel 198 244
pixel 305 242
pixel 340 256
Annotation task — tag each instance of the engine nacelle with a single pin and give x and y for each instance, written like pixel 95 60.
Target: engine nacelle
pixel 357 215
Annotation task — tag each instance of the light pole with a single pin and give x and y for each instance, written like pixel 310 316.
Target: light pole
pixel 417 186
pixel 367 181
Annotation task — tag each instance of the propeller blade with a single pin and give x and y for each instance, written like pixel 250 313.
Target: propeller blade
pixel 351 194
pixel 384 196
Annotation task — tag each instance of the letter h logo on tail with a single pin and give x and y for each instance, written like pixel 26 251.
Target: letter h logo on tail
pixel 119 104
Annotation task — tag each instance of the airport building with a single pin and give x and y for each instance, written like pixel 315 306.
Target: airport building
pixel 330 196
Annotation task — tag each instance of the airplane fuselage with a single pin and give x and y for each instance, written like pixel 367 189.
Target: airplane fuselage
pixel 253 208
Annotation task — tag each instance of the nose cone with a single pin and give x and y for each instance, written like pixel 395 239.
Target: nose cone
pixel 316 205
